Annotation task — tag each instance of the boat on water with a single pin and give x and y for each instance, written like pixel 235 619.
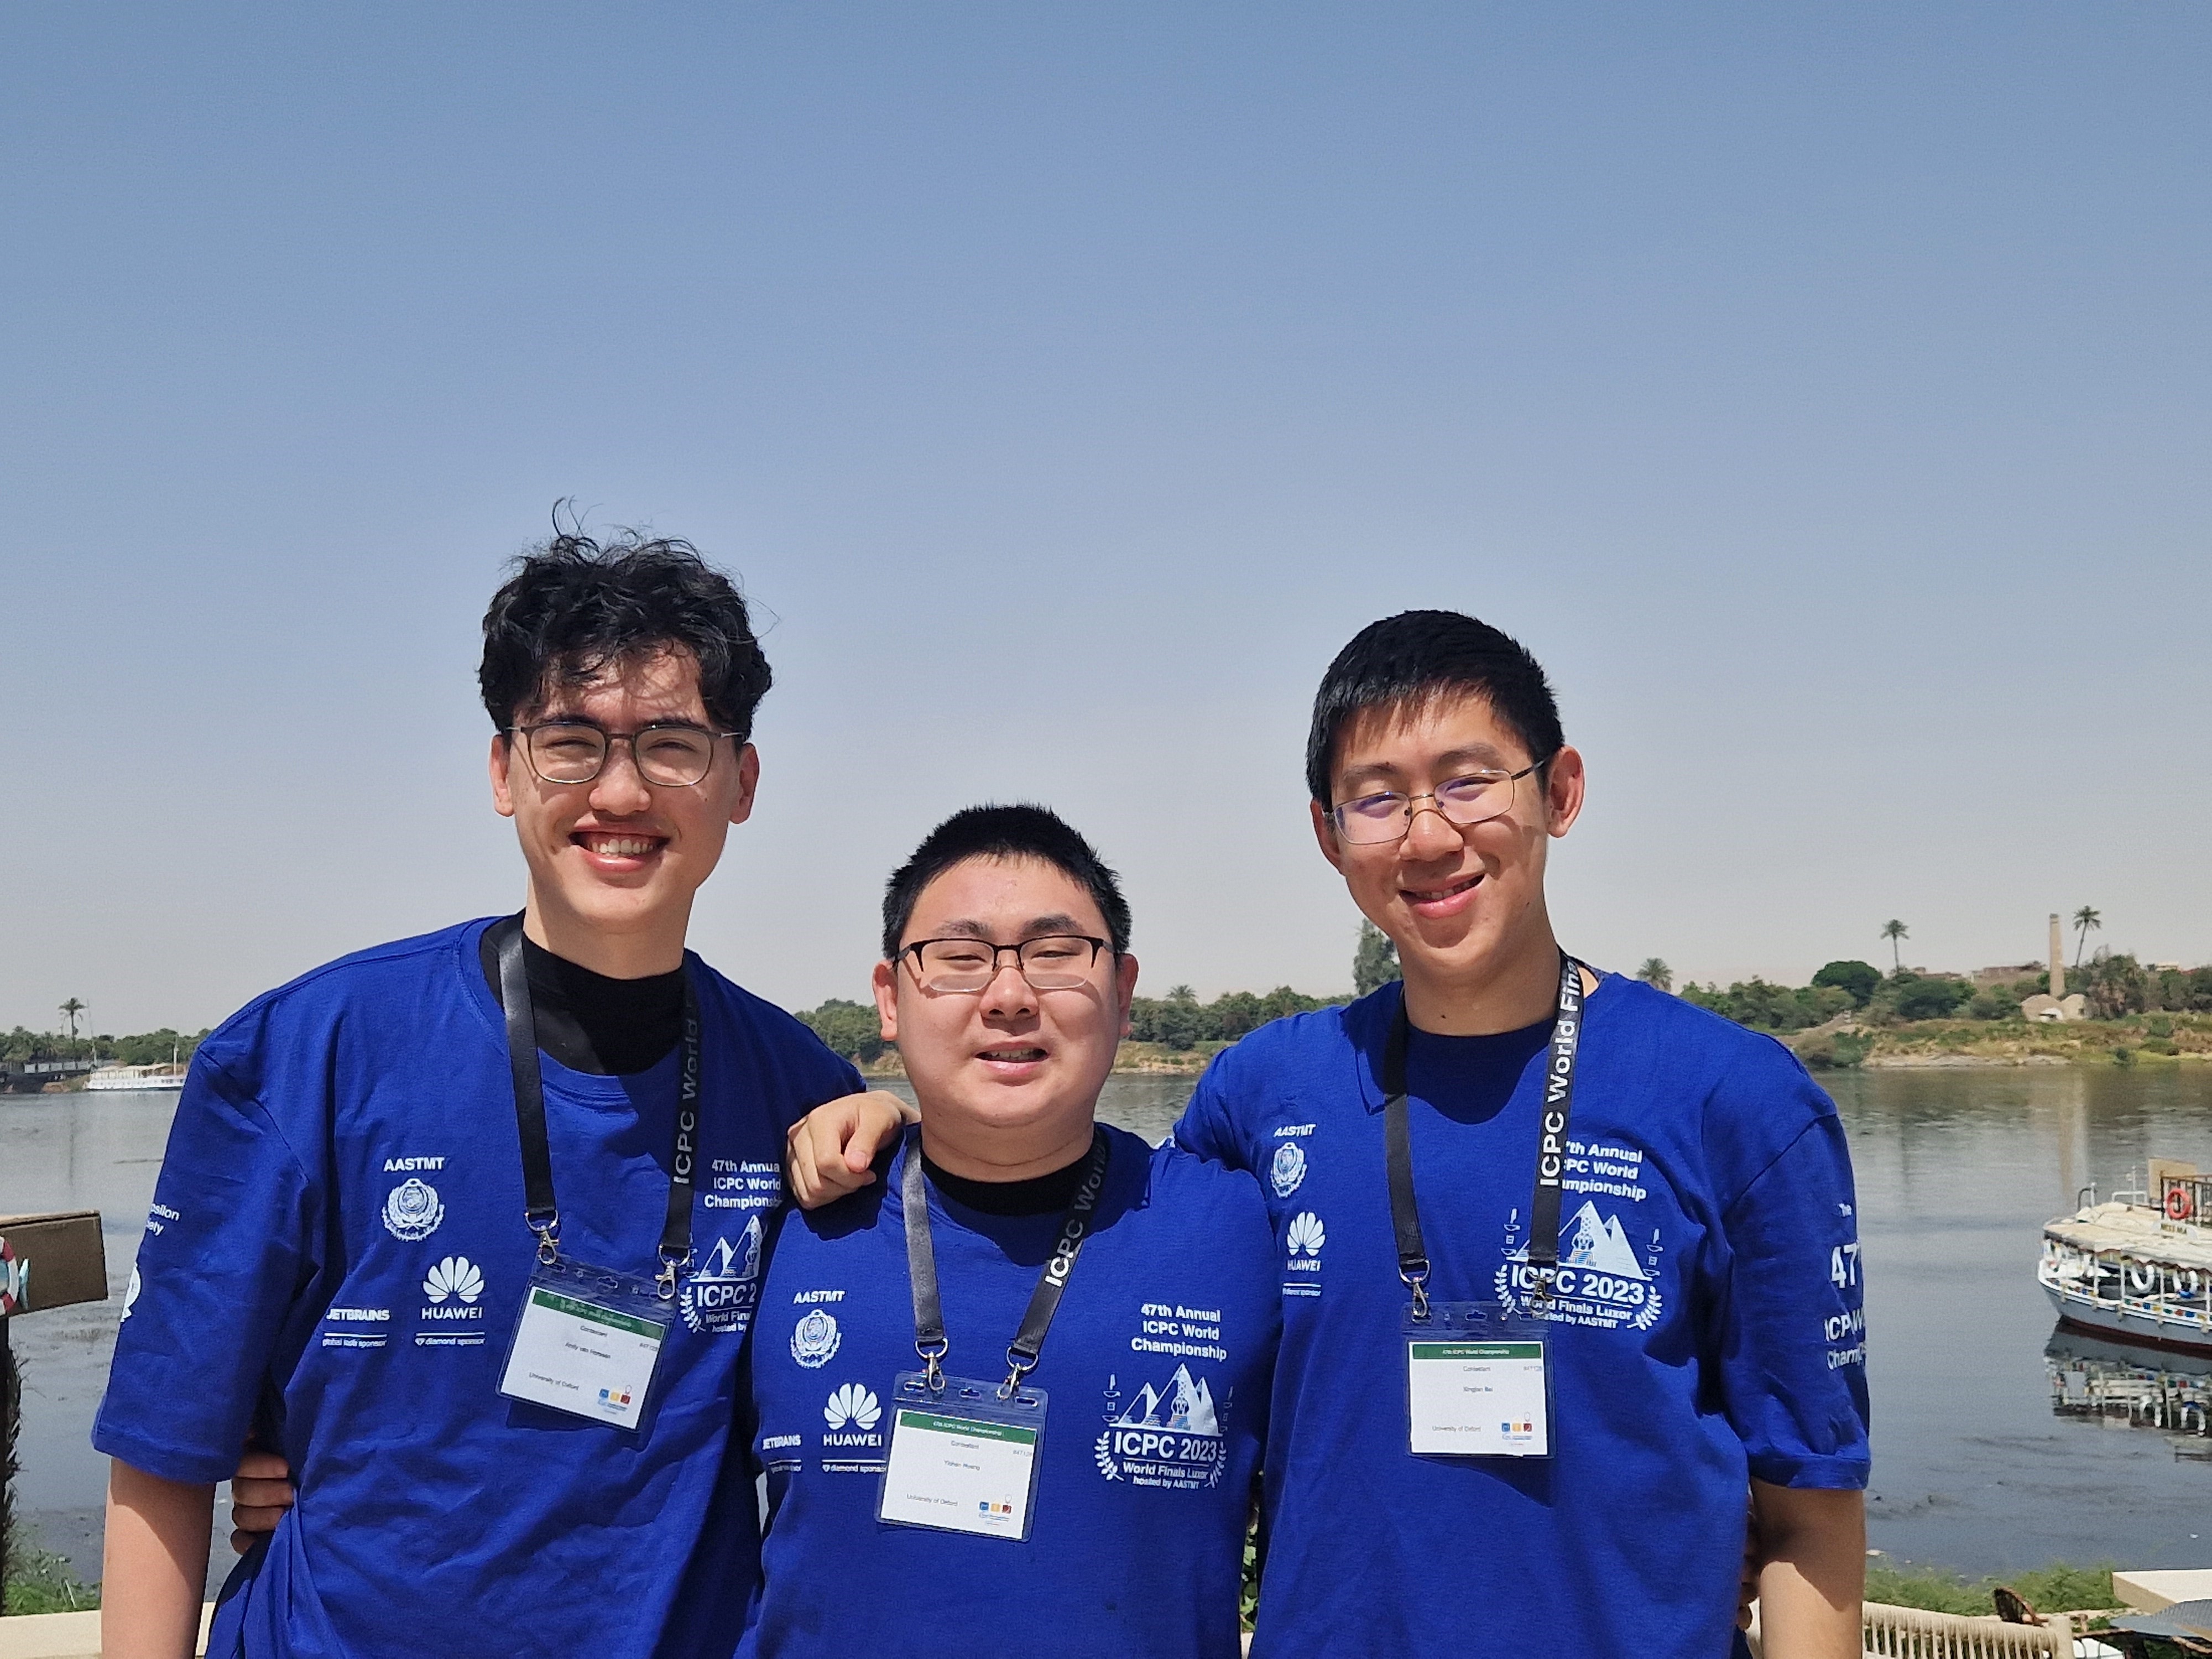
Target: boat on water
pixel 2137 1268
pixel 136 1077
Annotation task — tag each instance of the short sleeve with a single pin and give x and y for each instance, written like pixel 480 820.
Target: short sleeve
pixel 226 1253
pixel 1208 1126
pixel 1792 1338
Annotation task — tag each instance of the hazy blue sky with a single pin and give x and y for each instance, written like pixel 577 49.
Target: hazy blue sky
pixel 1823 393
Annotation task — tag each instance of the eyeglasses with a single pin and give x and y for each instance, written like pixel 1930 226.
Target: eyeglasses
pixel 673 754
pixel 1474 798
pixel 1052 961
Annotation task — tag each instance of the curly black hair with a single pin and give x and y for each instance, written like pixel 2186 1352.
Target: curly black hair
pixel 574 609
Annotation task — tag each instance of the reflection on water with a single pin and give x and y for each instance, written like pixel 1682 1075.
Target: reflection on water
pixel 1958 1170
pixel 2144 1387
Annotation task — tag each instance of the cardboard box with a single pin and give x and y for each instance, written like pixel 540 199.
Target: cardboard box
pixel 51 1261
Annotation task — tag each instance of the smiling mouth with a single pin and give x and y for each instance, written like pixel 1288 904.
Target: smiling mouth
pixel 1436 895
pixel 617 846
pixel 1012 1056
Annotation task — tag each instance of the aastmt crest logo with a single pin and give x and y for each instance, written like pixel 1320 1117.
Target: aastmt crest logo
pixel 1307 1235
pixel 1288 1171
pixel 853 1404
pixel 413 1210
pixel 455 1276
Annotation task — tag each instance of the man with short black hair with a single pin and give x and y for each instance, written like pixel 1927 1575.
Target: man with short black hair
pixel 1565 1262
pixel 1021 1392
pixel 468 1227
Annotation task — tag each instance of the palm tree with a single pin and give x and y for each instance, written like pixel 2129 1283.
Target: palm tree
pixel 2084 919
pixel 1894 930
pixel 1657 973
pixel 70 1011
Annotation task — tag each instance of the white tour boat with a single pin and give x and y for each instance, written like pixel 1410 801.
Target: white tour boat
pixel 2137 1268
pixel 137 1077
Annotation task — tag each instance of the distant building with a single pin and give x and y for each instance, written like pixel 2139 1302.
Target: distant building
pixel 2054 1003
pixel 2005 974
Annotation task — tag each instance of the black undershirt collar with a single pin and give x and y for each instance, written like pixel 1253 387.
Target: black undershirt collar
pixel 1044 1194
pixel 586 1021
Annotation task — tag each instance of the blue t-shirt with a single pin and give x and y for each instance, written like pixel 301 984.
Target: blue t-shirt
pixel 336 1258
pixel 1156 1371
pixel 1712 1331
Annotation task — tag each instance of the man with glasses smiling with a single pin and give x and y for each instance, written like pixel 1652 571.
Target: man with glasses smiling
pixel 1019 1393
pixel 469 1228
pixel 1566 1263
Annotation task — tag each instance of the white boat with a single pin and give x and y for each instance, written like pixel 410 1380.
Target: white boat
pixel 2136 1268
pixel 137 1077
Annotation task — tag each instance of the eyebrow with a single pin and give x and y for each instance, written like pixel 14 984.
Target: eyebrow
pixel 1037 927
pixel 1479 754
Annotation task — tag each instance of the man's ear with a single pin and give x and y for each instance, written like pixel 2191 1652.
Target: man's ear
pixel 1565 780
pixel 502 791
pixel 748 782
pixel 1125 987
pixel 884 982
pixel 1325 832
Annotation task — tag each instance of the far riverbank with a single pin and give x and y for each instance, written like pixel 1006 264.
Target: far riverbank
pixel 1847 1044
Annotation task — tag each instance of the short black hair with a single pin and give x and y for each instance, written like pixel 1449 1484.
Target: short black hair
pixel 574 609
pixel 1417 656
pixel 1004 832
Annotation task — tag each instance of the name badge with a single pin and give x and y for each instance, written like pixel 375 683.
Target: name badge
pixel 961 1458
pixel 1476 1383
pixel 589 1343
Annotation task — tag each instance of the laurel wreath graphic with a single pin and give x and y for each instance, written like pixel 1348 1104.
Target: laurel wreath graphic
pixel 1104 1453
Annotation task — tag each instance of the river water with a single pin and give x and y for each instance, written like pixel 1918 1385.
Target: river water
pixel 1957 1170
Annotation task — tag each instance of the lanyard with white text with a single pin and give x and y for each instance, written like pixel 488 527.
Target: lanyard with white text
pixel 539 1208
pixel 1551 1145
pixel 929 1338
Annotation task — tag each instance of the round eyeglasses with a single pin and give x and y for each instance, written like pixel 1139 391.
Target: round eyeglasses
pixel 1470 799
pixel 673 754
pixel 1051 962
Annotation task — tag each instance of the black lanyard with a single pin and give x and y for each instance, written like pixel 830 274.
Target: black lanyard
pixel 539 1209
pixel 1550 1145
pixel 929 1338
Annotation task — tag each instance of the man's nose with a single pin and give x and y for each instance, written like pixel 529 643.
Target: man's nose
pixel 620 789
pixel 1008 996
pixel 1430 834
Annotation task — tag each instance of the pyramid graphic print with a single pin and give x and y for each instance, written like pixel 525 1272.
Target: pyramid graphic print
pixel 1187 1406
pixel 1598 1242
pixel 719 1297
pixel 1599 1281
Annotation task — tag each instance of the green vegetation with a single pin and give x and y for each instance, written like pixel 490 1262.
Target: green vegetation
pixel 1656 972
pixel 1859 980
pixel 31 1580
pixel 1180 1021
pixel 1374 962
pixel 1171 1031
pixel 146 1048
pixel 1769 1007
pixel 851 1029
pixel 2059 1587
pixel 2113 987
pixel 2084 919
pixel 39 1581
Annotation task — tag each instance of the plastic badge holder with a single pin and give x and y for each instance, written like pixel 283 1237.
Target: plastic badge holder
pixel 631 1310
pixel 957 1458
pixel 1477 1381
